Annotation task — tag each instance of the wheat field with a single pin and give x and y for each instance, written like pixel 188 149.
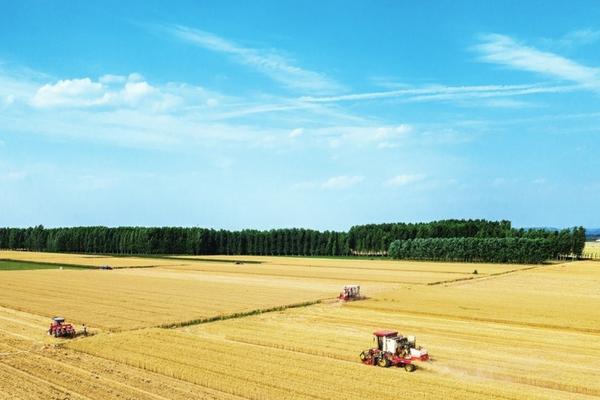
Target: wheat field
pixel 592 250
pixel 509 332
pixel 111 300
pixel 83 259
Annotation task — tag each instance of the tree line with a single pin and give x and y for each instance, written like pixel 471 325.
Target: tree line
pixel 474 249
pixel 374 238
pixel 176 240
pixel 364 239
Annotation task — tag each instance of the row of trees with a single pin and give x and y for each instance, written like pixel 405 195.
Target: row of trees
pixel 376 238
pixel 365 239
pixel 472 249
pixel 198 241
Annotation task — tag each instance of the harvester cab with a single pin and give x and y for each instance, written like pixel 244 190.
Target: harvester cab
pixel 394 350
pixel 350 292
pixel 59 328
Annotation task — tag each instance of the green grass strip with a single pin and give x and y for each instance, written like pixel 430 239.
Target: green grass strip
pixel 236 315
pixel 18 265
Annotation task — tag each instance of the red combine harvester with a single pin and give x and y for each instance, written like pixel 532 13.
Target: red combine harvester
pixel 350 292
pixel 394 350
pixel 58 328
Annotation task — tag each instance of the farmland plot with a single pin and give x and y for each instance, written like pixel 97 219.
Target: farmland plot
pixel 258 372
pixel 497 353
pixel 528 334
pixel 368 264
pixel 112 300
pixel 516 354
pixel 84 259
pixel 592 250
pixel 32 368
pixel 564 296
pixel 314 351
pixel 365 276
pixel 371 273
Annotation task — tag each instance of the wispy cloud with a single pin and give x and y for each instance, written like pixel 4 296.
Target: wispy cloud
pixel 579 37
pixel 334 183
pixel 369 135
pixel 296 132
pixel 268 62
pixel 437 93
pixel 341 182
pixel 133 112
pixel 405 179
pixel 506 51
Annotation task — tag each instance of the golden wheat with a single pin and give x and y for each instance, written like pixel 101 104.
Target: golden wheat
pixel 113 300
pixel 530 334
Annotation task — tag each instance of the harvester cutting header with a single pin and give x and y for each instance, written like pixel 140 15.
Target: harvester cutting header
pixel 60 329
pixel 350 293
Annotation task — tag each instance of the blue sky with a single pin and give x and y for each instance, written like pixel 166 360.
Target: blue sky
pixel 296 113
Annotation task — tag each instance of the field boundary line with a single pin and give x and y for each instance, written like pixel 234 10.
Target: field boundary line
pixel 243 314
pixel 482 276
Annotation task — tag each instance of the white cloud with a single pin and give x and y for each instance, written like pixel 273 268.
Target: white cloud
pixel 405 179
pixel 84 92
pixel 334 183
pixel 296 132
pixel 579 37
pixel 212 102
pixel 385 136
pixel 341 182
pixel 134 91
pixel 110 79
pixel 70 93
pixel 270 63
pixel 131 112
pixel 503 50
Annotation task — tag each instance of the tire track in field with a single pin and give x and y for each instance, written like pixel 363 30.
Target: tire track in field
pixel 80 372
pixel 31 377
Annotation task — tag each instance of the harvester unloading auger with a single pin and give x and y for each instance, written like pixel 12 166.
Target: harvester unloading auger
pixel 394 350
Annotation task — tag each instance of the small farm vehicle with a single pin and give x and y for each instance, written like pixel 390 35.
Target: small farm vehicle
pixel 350 292
pixel 394 350
pixel 59 328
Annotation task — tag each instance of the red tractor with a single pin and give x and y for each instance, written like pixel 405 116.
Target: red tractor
pixel 350 292
pixel 58 328
pixel 394 350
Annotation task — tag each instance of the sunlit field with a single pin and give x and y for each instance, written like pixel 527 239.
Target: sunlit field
pixel 221 330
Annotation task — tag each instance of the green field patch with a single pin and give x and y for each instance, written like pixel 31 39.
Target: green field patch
pixel 10 265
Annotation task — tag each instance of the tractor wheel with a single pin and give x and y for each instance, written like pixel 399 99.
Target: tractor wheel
pixel 383 362
pixel 410 367
pixel 364 356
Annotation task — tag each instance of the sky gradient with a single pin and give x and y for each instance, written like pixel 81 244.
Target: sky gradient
pixel 321 115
